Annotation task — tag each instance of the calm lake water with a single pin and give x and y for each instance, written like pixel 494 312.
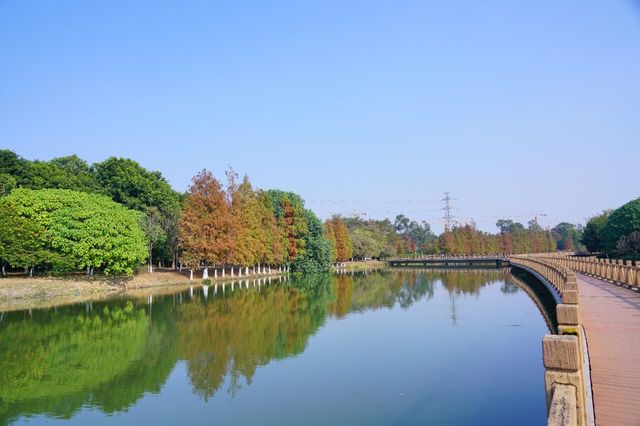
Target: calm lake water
pixel 389 347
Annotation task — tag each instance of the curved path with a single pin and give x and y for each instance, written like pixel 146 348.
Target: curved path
pixel 611 319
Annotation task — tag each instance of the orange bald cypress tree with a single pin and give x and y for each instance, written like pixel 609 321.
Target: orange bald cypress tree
pixel 205 225
pixel 247 223
pixel 330 234
pixel 343 240
pixel 293 221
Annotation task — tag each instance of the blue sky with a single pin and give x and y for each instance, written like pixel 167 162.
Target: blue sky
pixel 373 107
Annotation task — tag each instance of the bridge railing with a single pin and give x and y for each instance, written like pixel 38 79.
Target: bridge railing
pixel 447 257
pixel 613 270
pixel 457 256
pixel 567 379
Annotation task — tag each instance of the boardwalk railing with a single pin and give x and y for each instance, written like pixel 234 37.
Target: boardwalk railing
pixel 447 257
pixel 567 379
pixel 467 260
pixel 606 269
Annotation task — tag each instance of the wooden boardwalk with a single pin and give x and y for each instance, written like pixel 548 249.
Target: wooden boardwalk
pixel 611 318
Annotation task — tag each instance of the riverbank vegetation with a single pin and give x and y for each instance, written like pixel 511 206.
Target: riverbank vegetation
pixel 403 237
pixel 66 216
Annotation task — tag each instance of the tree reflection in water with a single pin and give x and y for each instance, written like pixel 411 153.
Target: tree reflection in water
pixel 107 355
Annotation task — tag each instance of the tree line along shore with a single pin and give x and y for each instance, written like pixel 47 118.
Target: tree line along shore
pixel 65 216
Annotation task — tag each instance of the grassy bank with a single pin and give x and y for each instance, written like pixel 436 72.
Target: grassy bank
pixel 22 292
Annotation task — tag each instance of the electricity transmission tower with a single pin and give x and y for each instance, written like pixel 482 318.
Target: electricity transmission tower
pixel 447 218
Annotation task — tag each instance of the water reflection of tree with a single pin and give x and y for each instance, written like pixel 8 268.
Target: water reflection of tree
pixel 382 289
pixel 469 281
pixel 238 333
pixel 59 360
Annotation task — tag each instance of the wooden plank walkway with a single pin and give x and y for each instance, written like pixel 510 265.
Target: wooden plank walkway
pixel 611 318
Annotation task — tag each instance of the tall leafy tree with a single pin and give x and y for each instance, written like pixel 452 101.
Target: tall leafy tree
pixel 247 224
pixel 592 237
pixel 22 241
pixel 130 184
pixel 11 164
pixel 271 236
pixel 568 236
pixel 629 245
pixel 206 223
pixel 317 254
pixel 622 221
pixel 288 209
pixel 81 230
pixel 152 222
pixel 7 183
pixel 336 232
pixel 330 234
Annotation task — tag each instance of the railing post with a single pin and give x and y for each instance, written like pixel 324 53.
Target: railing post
pixel 563 364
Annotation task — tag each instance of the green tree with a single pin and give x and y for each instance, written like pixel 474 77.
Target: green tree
pixel 317 254
pixel 568 236
pixel 271 236
pixel 130 184
pixel 288 209
pixel 622 221
pixel 629 245
pixel 7 183
pixel 85 230
pixel 151 223
pixel 593 232
pixel 21 240
pixel 13 165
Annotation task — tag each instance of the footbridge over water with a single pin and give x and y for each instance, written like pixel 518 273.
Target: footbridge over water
pixel 450 261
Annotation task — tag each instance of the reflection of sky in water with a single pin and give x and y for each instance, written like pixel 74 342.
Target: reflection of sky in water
pixel 386 348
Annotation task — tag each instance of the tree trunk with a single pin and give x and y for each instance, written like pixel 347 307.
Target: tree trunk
pixel 150 269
